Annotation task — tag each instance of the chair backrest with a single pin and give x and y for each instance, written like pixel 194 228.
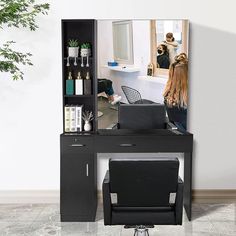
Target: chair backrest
pixel 143 183
pixel 132 95
pixel 142 116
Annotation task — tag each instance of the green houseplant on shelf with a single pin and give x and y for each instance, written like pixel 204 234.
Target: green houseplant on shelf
pixel 73 48
pixel 85 50
pixel 17 13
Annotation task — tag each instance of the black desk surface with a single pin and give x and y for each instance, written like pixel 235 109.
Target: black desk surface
pixel 132 132
pixel 155 132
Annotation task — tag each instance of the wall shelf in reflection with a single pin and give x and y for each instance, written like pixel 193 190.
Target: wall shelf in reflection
pixel 128 69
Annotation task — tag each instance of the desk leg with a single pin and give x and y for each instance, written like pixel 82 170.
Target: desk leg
pixel 188 184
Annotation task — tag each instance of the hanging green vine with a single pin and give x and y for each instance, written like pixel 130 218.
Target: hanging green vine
pixel 17 13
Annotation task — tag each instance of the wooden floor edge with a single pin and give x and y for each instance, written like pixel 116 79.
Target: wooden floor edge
pixel 205 194
pixel 214 193
pixel 53 196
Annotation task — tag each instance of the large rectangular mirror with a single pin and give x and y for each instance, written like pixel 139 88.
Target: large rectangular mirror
pixel 142 61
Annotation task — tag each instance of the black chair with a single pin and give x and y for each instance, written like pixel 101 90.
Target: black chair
pixel 134 97
pixel 141 193
pixel 141 116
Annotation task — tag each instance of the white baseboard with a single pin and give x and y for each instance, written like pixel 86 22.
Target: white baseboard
pixel 53 196
pixel 29 196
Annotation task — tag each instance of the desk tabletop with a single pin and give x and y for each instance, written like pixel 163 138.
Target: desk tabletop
pixel 136 132
pixel 132 132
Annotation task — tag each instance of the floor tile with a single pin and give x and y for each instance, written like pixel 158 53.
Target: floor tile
pixel 44 220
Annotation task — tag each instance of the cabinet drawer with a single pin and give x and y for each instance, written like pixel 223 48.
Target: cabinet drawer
pixel 77 144
pixel 120 144
pixel 124 144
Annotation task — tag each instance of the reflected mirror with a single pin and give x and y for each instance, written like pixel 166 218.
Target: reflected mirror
pixel 123 41
pixel 169 38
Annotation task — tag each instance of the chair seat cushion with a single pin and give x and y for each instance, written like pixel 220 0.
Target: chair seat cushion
pixel 142 209
pixel 142 217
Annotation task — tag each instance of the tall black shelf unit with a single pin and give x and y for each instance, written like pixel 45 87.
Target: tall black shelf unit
pixel 84 31
pixel 78 181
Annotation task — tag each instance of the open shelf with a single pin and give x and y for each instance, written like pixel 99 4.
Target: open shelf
pixel 78 96
pixel 78 133
pixel 78 58
pixel 85 32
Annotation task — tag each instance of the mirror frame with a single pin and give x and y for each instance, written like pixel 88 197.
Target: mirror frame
pixel 153 46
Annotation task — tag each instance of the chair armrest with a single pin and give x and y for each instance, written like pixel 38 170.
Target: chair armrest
pixel 106 199
pixel 179 202
pixel 171 126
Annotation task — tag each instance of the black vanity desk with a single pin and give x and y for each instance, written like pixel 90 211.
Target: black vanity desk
pixel 79 164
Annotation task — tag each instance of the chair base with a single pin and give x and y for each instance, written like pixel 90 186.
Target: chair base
pixel 140 230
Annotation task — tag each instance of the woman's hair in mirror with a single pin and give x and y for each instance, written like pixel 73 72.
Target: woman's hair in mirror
pixel 176 89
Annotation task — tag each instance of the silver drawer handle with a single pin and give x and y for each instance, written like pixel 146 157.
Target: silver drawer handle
pixel 87 170
pixel 127 145
pixel 77 145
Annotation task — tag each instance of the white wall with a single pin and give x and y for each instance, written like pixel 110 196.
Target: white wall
pixel 31 110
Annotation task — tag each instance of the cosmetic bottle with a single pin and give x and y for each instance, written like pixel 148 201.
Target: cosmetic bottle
pixel 79 85
pixel 69 85
pixel 87 85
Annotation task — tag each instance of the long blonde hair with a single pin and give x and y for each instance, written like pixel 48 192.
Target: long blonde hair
pixel 176 90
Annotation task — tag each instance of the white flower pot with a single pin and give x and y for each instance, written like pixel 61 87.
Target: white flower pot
pixel 73 51
pixel 87 126
pixel 84 52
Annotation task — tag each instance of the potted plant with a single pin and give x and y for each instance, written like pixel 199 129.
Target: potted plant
pixel 73 48
pixel 85 50
pixel 87 116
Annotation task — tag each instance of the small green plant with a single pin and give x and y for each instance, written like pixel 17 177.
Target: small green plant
pixel 73 43
pixel 85 45
pixel 12 59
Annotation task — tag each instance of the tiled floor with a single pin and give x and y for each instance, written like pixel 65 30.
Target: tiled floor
pixel 43 220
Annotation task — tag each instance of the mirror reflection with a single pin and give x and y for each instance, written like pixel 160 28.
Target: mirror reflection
pixel 142 62
pixel 170 38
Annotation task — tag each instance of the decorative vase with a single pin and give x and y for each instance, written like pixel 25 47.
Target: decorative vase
pixel 85 52
pixel 87 126
pixel 73 51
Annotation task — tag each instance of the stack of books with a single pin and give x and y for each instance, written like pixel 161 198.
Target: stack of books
pixel 73 118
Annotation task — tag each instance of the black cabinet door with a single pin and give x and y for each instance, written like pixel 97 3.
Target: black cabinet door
pixel 78 194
